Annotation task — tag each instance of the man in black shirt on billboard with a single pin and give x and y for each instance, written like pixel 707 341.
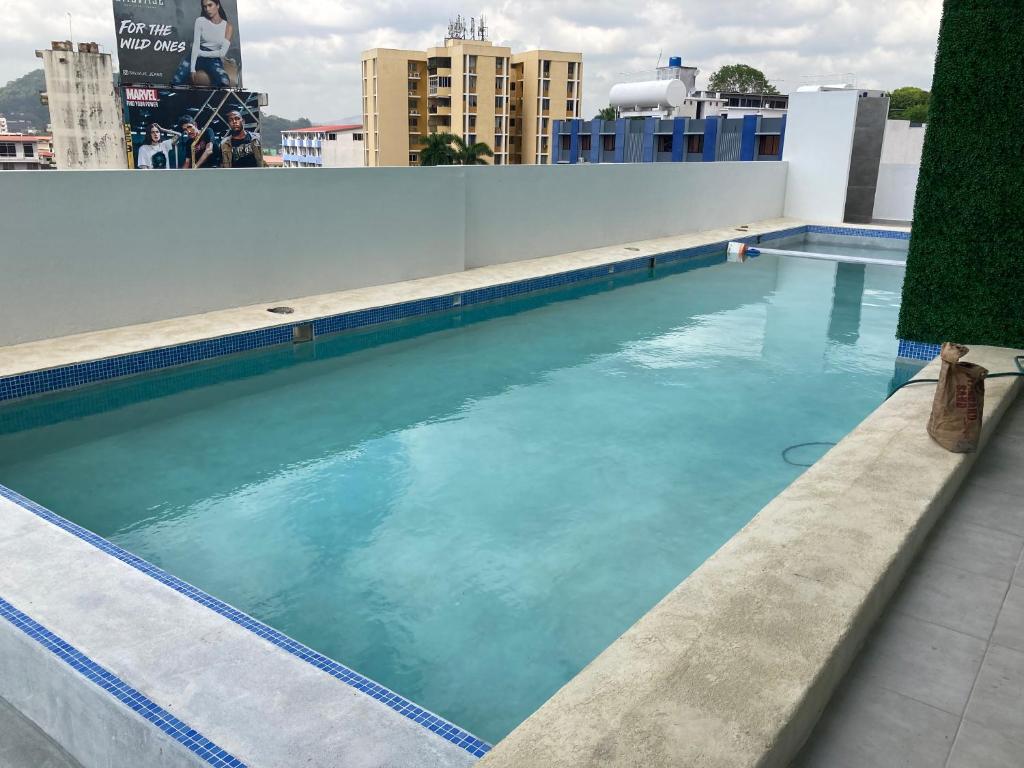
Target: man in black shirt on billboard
pixel 240 148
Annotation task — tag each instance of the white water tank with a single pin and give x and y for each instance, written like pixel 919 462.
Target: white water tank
pixel 653 94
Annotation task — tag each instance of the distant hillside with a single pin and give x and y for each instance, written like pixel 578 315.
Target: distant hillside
pixel 19 103
pixel 272 125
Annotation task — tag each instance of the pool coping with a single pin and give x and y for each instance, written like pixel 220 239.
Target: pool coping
pixel 548 272
pixel 53 365
pixel 734 666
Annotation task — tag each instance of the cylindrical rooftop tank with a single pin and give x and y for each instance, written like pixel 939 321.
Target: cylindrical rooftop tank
pixel 652 94
pixel 675 61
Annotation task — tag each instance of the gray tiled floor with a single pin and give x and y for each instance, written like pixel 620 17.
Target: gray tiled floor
pixel 940 682
pixel 23 745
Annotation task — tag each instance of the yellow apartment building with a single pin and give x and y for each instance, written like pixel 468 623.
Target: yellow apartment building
pixel 473 89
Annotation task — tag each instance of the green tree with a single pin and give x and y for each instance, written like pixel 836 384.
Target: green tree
pixel 903 99
pixel 915 114
pixel 470 154
pixel 606 113
pixel 740 78
pixel 437 149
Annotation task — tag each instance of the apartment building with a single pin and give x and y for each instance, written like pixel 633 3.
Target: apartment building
pixel 323 146
pixel 20 152
pixel 471 88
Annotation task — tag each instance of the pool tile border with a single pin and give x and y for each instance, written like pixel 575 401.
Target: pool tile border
pixel 69 376
pixel 149 710
pixel 918 350
pixel 428 720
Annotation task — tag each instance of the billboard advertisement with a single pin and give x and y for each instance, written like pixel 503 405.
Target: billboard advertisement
pixel 190 128
pixel 184 43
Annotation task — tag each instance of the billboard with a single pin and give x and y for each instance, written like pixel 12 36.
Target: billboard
pixel 190 128
pixel 184 43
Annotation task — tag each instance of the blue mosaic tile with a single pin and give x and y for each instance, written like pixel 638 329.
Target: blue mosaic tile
pixel 120 690
pixel 338 671
pixel 918 350
pixel 887 234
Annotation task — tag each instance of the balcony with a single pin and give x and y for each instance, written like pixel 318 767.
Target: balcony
pixel 414 75
pixel 436 91
pixel 439 109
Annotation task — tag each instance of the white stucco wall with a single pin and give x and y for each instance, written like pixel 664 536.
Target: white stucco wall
pixel 818 145
pixel 518 212
pixel 343 152
pixel 100 249
pixel 903 142
pixel 897 175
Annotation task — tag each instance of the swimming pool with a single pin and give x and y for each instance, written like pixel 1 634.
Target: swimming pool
pixel 470 506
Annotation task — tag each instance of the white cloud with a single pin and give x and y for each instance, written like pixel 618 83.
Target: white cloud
pixel 306 55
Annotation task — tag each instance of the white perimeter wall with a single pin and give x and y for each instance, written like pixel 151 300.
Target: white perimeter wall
pixel 818 145
pixel 90 250
pixel 527 211
pixel 897 175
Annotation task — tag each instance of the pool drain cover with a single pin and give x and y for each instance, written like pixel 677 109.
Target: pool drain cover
pixel 281 310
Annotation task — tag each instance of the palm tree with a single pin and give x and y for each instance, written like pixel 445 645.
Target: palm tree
pixel 606 113
pixel 437 150
pixel 466 154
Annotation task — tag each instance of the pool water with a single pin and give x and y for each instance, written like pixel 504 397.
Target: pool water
pixel 469 507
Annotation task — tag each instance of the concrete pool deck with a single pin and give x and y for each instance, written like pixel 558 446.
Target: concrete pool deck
pixel 940 681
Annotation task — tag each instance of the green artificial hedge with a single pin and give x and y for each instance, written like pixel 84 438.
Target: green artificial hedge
pixel 965 270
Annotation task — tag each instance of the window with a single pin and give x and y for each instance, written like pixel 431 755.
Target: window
pixel 332 137
pixel 585 142
pixel 695 143
pixel 413 159
pixel 566 141
pixel 29 149
pixel 545 104
pixel 499 102
pixel 357 137
pixel 768 145
pixel 471 101
pixel 572 70
pixel 665 143
pixel 8 149
pixel 608 143
pixel 569 107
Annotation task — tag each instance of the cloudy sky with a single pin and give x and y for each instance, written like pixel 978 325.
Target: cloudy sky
pixel 306 54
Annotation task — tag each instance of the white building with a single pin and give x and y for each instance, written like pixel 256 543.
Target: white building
pixel 323 146
pixel 3 124
pixel 20 152
pixel 85 112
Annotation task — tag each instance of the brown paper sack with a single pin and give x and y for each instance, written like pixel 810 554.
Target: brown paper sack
pixel 955 423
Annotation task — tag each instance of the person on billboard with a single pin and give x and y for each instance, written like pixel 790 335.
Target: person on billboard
pixel 200 148
pixel 240 148
pixel 155 153
pixel 210 46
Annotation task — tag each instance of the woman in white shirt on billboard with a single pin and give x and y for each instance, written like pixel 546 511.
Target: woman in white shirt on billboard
pixel 157 153
pixel 210 45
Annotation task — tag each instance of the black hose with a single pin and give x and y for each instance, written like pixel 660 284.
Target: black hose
pixel 1019 360
pixel 785 453
pixel 1004 374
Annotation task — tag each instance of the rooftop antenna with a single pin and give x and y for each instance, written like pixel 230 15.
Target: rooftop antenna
pixel 472 28
pixel 71 37
pixel 482 29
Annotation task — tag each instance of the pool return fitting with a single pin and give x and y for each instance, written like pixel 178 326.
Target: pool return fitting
pixel 742 251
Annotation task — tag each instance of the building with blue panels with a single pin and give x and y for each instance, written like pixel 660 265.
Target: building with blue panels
pixel 675 140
